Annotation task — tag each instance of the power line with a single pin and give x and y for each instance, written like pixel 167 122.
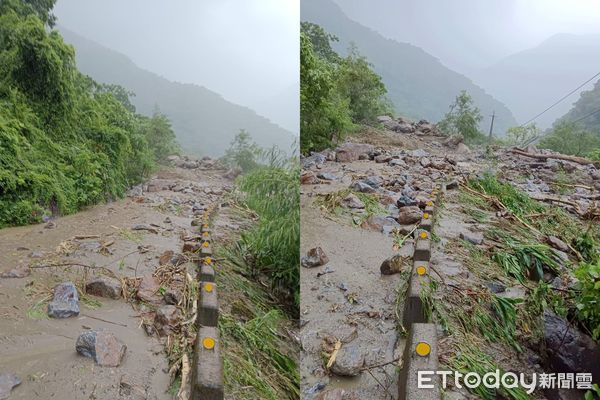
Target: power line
pixel 587 115
pixel 561 99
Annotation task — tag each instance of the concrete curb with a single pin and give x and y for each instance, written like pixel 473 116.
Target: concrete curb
pixel 422 337
pixel 414 309
pixel 207 367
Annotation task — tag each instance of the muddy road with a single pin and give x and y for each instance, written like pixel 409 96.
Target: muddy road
pixel 125 237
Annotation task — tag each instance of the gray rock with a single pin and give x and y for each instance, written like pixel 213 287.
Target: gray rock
pixel 315 257
pixel 373 181
pixel 383 118
pixel 166 318
pixel 19 272
pixel 7 382
pixel 425 162
pixel 65 303
pixel 379 222
pixel 396 162
pixel 405 201
pixel 568 349
pixel 558 244
pixel 496 287
pixel 327 176
pixel 409 215
pixel 419 153
pixel 352 201
pixel 453 184
pixel 462 149
pixel 352 151
pixel 333 394
pixel 383 158
pixel 104 286
pixel 102 346
pixel 475 238
pixel 349 361
pixel 362 187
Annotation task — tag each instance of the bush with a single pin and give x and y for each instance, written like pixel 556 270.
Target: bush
pixel 588 299
pixel 463 118
pixel 570 138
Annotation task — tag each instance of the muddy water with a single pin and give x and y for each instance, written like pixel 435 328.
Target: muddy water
pixel 41 351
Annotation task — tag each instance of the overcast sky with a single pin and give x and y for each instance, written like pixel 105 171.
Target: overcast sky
pixel 246 50
pixel 468 34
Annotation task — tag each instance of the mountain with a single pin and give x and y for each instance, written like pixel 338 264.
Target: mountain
pixel 531 80
pixel 418 84
pixel 586 110
pixel 203 121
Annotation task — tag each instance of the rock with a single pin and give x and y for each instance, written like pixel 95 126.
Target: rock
pixel 383 158
pixel 334 394
pixel 404 127
pixel 558 244
pixel 373 181
pixel 392 265
pixel 379 223
pixel 462 149
pixel 148 290
pixel 135 191
pixel 105 286
pixel 405 201
pixel 383 118
pixel 308 178
pixel 352 151
pixel 232 173
pixel 362 187
pixel 102 346
pixel 569 350
pixel 19 272
pixel 191 247
pixel 396 162
pixel 314 160
pixel 425 162
pixel 475 238
pixel 409 215
pixel 453 141
pixel 166 318
pixel 496 287
pixel 65 303
pixel 172 297
pixel 144 227
pixel 7 382
pixel 165 257
pixel 453 184
pixel 327 176
pixel 352 201
pixel 419 153
pixel 314 258
pixel 349 361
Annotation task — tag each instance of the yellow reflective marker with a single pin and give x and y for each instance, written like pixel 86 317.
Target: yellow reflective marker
pixel 208 343
pixel 208 287
pixel 423 349
pixel 429 203
pixel 205 234
pixel 205 244
pixel 423 235
pixel 421 270
pixel 426 215
pixel 208 261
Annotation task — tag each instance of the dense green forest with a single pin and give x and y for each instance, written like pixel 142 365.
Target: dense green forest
pixel 66 141
pixel 204 121
pixel 418 84
pixel 337 92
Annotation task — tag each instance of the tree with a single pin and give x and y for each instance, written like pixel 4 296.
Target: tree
pixel 243 153
pixel 523 135
pixel 463 118
pixel 160 136
pixel 321 41
pixel 570 138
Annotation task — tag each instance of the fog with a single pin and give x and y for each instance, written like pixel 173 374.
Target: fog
pixel 246 50
pixel 526 53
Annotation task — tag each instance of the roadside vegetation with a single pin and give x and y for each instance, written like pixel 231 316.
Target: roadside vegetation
pixel 66 142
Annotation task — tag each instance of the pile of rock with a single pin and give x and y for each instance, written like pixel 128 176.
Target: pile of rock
pixel 404 125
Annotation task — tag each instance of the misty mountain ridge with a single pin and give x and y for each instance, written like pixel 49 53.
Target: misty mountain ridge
pixel 418 84
pixel 532 79
pixel 204 122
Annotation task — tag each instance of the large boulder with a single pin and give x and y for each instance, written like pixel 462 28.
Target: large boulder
pixel 349 361
pixel 65 302
pixel 104 286
pixel 409 215
pixel 102 346
pixel 352 151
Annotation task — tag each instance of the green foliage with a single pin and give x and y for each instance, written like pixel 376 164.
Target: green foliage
pixel 462 119
pixel 243 153
pixel 588 300
pixel 335 92
pixel 274 194
pixel 523 135
pixel 570 138
pixel 65 141
pixel 160 136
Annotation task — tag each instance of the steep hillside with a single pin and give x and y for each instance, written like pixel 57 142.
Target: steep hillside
pixel 531 80
pixel 204 122
pixel 586 110
pixel 418 84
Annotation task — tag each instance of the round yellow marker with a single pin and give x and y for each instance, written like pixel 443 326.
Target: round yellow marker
pixel 426 215
pixel 205 226
pixel 205 244
pixel 205 234
pixel 208 287
pixel 208 343
pixel 421 270
pixel 429 203
pixel 208 261
pixel 423 349
pixel 423 235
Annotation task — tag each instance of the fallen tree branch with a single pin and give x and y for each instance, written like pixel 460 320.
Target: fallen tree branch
pixel 558 200
pixel 578 160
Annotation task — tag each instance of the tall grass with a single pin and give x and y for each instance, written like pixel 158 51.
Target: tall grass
pixel 273 193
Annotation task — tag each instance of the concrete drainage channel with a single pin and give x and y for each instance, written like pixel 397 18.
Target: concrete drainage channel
pixel 207 366
pixel 421 350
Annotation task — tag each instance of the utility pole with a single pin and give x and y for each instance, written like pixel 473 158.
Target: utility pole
pixel 492 125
